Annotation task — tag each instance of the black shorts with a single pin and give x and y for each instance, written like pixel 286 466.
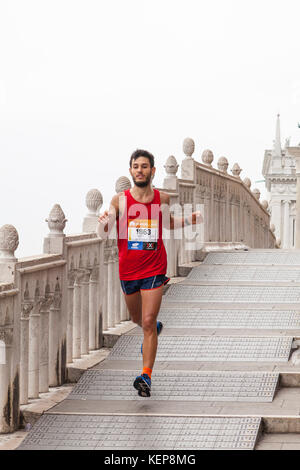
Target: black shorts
pixel 148 283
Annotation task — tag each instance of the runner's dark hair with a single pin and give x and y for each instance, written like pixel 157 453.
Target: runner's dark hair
pixel 142 153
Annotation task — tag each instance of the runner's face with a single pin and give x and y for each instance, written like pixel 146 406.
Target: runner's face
pixel 141 172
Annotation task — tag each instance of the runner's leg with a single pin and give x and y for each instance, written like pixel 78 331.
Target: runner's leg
pixel 134 305
pixel 151 300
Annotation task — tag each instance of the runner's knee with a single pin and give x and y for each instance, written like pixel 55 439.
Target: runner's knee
pixel 149 324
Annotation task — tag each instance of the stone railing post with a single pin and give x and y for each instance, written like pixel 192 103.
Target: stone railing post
pixel 85 289
pixel 286 223
pixel 54 338
pixel 34 347
pixel 105 287
pixel 9 335
pixel 93 306
pixel 100 298
pixel 27 306
pixel 110 290
pixel 116 287
pixel 7 392
pixel 71 281
pixel 257 232
pixel 44 340
pixel 218 194
pixel 77 314
pixel 54 242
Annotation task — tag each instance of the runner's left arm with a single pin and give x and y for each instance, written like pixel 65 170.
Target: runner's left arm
pixel 170 222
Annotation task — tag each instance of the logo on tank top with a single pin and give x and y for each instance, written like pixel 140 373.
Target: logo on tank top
pixel 142 234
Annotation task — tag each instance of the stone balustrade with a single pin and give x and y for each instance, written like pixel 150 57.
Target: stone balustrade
pixel 54 307
pixel 233 215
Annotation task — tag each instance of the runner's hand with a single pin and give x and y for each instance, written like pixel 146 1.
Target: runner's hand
pixel 103 220
pixel 195 218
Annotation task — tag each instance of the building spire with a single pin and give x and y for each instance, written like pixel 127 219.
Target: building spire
pixel 277 145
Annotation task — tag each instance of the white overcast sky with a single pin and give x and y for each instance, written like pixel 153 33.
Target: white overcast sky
pixel 85 83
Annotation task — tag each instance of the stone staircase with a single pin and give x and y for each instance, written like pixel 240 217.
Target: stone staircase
pixel 226 374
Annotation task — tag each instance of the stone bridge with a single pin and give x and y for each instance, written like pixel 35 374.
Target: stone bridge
pixel 226 374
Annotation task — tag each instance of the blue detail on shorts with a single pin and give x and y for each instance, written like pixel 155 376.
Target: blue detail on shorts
pixel 148 283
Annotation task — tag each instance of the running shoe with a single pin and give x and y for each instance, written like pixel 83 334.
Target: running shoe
pixel 159 327
pixel 142 384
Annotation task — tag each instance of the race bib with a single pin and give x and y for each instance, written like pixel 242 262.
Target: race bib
pixel 142 234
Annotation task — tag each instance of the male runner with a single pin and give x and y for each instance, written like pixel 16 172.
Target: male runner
pixel 142 255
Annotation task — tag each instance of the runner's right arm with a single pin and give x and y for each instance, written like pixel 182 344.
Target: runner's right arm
pixel 107 218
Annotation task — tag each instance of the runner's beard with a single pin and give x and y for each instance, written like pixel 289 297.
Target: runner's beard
pixel 142 184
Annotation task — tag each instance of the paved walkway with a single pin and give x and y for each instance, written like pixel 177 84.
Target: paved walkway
pixel 223 377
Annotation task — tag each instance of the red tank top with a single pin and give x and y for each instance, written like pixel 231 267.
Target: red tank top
pixel 141 250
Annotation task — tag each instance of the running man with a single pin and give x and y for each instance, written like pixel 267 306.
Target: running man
pixel 142 256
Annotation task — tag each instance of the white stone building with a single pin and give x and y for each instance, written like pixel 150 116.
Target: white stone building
pixel 279 170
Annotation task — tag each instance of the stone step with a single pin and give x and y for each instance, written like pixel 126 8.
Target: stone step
pixel 67 432
pixel 279 441
pixel 257 274
pixel 287 370
pixel 197 317
pixel 280 415
pixel 263 257
pixel 220 332
pixel 208 348
pixel 105 384
pixel 180 293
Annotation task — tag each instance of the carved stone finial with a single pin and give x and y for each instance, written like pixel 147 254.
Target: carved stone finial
pixel 265 204
pixel 256 193
pixel 9 242
pixel 223 164
pixel 171 166
pixel 56 221
pixel 207 157
pixel 236 170
pixel 272 228
pixel 93 201
pixel 122 184
pixel 188 147
pixel 247 182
